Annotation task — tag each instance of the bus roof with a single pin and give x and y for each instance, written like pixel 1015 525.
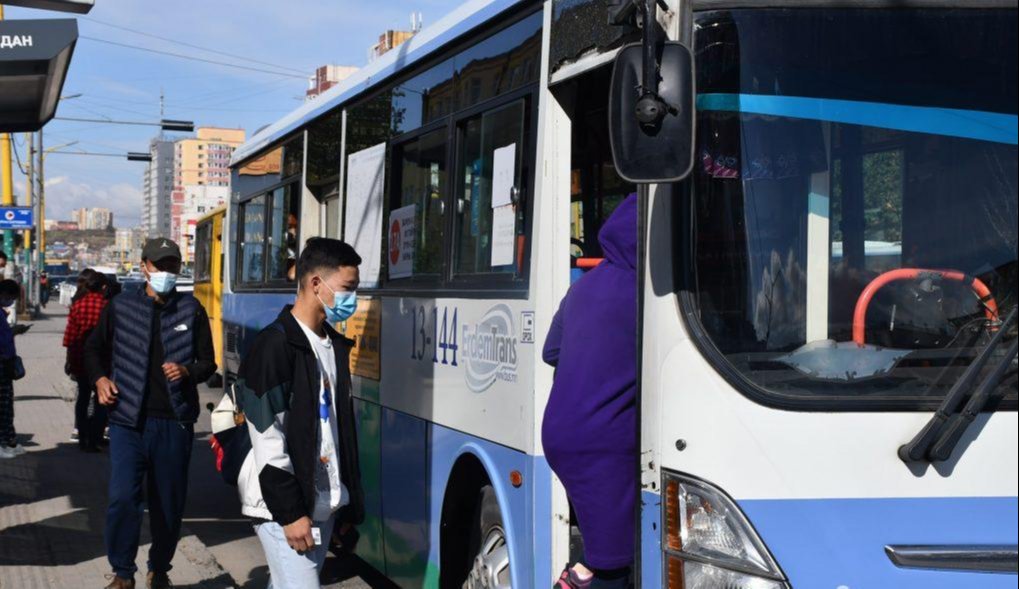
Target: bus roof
pixel 463 19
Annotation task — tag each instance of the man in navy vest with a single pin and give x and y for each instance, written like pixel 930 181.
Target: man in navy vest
pixel 146 357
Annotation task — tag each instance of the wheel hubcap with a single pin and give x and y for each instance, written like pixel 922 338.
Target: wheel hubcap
pixel 491 568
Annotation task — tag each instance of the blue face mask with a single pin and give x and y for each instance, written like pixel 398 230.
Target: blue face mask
pixel 162 282
pixel 344 305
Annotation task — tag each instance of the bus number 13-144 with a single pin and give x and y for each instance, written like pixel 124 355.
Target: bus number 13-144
pixel 442 337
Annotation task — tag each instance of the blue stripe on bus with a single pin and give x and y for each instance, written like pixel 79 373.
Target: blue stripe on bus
pixel 650 540
pixel 970 124
pixel 841 542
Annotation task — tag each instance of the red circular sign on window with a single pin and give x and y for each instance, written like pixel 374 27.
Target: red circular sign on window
pixel 394 242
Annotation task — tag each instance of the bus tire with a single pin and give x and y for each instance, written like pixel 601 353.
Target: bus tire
pixel 490 568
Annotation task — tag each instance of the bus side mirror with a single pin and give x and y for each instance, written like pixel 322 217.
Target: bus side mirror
pixel 652 135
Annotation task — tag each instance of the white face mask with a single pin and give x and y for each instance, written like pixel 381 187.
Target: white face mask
pixel 162 282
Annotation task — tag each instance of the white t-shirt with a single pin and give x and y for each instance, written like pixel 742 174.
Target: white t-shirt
pixel 331 493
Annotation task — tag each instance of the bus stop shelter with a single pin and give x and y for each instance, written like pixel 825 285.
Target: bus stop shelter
pixel 34 56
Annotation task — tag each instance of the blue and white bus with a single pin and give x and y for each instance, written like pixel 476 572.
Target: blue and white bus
pixel 834 268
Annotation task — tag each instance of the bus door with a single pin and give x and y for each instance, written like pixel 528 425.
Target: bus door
pixel 595 189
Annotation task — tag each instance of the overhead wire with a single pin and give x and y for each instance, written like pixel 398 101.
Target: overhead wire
pixel 191 45
pixel 192 58
pixel 17 158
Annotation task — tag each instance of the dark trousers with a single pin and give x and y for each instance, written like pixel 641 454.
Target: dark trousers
pixel 8 437
pixel 90 427
pixel 158 452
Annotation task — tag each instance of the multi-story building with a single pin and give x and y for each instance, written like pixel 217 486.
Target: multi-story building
pixel 326 77
pixel 92 219
pixel 157 188
pixel 202 160
pixel 388 41
pixel 198 201
pixel 128 243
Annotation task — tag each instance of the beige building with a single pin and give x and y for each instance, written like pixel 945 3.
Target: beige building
pixel 326 77
pixel 202 160
pixel 97 218
pixel 198 202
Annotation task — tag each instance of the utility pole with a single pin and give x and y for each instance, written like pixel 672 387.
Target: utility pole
pixel 31 275
pixel 40 241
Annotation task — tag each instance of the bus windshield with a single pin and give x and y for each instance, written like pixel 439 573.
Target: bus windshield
pixel 854 209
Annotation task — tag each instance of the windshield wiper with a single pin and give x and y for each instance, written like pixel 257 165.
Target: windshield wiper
pixel 960 422
pixel 919 447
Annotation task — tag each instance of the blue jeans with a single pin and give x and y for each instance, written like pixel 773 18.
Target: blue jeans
pixel 159 452
pixel 289 569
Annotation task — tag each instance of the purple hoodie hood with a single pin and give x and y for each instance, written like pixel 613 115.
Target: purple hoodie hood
pixel 618 236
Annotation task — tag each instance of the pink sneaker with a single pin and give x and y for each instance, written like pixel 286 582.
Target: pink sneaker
pixel 571 580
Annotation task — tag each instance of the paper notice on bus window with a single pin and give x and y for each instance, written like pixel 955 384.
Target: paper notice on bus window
pixel 365 328
pixel 503 171
pixel 402 233
pixel 503 235
pixel 362 227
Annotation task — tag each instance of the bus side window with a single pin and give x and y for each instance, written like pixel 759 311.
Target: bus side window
pixel 252 240
pixel 489 231
pixel 283 225
pixel 420 167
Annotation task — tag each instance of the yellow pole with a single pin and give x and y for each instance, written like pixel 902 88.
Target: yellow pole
pixel 8 187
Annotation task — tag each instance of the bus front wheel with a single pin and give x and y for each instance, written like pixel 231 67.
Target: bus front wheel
pixel 491 566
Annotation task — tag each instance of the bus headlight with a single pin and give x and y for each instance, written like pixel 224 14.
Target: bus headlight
pixel 708 542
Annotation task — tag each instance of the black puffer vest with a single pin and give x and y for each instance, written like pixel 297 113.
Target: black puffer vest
pixel 132 322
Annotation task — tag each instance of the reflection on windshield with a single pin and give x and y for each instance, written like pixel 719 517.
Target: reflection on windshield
pixel 823 223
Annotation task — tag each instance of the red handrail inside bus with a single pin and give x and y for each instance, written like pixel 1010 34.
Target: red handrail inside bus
pixel 860 314
pixel 588 263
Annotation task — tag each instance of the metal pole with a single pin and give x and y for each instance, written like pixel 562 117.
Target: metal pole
pixel 40 241
pixel 30 272
pixel 7 171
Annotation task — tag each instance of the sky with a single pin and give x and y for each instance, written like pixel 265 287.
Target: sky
pixel 122 83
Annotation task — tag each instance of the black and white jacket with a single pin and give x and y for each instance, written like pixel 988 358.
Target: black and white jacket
pixel 277 389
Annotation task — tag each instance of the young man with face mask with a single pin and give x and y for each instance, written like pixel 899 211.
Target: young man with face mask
pixel 301 478
pixel 146 357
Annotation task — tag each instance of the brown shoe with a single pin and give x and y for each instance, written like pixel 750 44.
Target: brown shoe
pixel 159 581
pixel 119 582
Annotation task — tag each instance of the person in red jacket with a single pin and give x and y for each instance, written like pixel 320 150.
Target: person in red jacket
pixel 89 302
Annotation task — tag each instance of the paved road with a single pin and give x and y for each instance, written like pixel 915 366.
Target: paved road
pixel 53 499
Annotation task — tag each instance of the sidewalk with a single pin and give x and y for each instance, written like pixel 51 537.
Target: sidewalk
pixel 53 499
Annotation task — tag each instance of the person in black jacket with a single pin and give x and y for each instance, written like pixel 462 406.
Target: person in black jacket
pixel 302 476
pixel 146 357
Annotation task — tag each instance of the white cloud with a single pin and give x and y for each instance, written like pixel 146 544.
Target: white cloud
pixel 125 200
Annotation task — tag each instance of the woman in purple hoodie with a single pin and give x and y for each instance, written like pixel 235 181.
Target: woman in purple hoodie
pixel 590 427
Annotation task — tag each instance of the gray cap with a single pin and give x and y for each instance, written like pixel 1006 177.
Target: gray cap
pixel 160 248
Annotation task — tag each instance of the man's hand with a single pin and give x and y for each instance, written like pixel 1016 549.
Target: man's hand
pixel 299 535
pixel 174 372
pixel 107 391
